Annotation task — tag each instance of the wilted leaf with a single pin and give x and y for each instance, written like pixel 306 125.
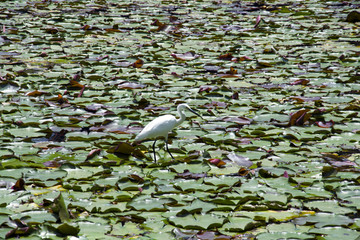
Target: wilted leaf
pixel 75 85
pixel 304 99
pixel 138 63
pixel 263 63
pixel 53 163
pixel 245 58
pixel 86 27
pixel 353 16
pixel 232 71
pixel 325 124
pixel 58 136
pixel 59 100
pixel 161 26
pixel 243 172
pixel 258 20
pixel 216 105
pixel 239 160
pixel 189 175
pixel 93 153
pixel 217 162
pixel 235 95
pixel 136 178
pixel 19 185
pixel 207 88
pixel 299 118
pixel 300 82
pixel 61 208
pixel 185 56
pixel 238 120
pixel 103 57
pixel 131 85
pixel 36 93
pixel 22 229
pixel 226 56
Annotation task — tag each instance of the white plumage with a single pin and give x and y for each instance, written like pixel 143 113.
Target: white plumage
pixel 161 126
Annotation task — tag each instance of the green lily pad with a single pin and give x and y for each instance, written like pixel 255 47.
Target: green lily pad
pixel 239 224
pixel 199 222
pixel 324 219
pixel 328 206
pixel 336 233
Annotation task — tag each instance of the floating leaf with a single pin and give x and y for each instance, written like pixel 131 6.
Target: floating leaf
pixel 154 204
pixel 238 120
pixel 239 160
pixel 258 20
pixel 122 148
pixel 138 63
pixel 22 229
pixel 130 85
pixel 216 104
pixel 93 108
pixel 245 64
pixel 324 219
pixel 54 163
pixel 325 124
pixel 61 209
pixel 245 58
pixel 75 85
pixel 36 93
pixel 199 222
pixel 353 16
pixel 68 229
pixel 93 153
pixel 232 71
pixel 300 82
pixel 58 136
pixel 161 26
pixel 299 118
pixel 207 88
pixel 188 56
pixel 226 56
pixel 217 162
pixel 329 206
pixel 237 224
pixel 19 185
pixel 243 172
pixel 189 175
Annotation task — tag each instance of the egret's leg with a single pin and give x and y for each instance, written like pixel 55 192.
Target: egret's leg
pixel 154 150
pixel 167 147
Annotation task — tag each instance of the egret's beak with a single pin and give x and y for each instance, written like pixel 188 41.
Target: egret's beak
pixel 194 112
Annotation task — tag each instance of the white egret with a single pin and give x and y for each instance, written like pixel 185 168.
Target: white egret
pixel 161 126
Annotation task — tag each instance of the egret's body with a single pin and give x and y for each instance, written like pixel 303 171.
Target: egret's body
pixel 161 126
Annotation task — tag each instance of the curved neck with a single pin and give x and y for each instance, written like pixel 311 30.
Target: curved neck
pixel 181 119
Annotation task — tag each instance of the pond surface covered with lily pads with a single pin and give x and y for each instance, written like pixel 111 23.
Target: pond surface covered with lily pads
pixel 276 155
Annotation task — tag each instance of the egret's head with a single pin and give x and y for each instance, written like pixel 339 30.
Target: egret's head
pixel 183 106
